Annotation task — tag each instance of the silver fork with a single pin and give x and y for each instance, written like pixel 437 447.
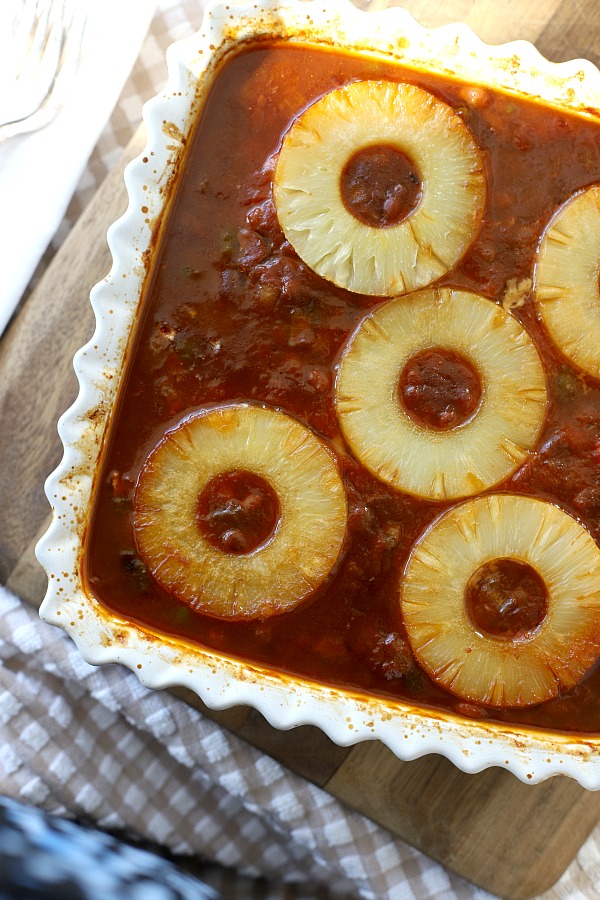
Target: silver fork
pixel 40 45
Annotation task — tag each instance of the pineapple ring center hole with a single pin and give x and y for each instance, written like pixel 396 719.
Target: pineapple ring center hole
pixel 506 598
pixel 237 512
pixel 380 185
pixel 439 388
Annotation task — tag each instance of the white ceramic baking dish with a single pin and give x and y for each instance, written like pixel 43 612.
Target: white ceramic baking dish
pixel 159 662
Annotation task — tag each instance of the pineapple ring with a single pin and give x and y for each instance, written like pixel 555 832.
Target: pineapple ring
pixel 503 672
pixel 429 462
pixel 353 255
pixel 567 288
pixel 291 563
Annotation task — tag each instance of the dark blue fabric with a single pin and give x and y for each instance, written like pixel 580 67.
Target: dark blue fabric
pixel 43 856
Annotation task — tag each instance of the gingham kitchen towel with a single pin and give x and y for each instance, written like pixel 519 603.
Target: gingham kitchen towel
pixel 94 743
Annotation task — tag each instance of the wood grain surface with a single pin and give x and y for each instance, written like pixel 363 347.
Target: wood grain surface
pixel 513 839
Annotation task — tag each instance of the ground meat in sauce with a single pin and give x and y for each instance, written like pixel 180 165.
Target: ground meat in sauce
pixel 506 598
pixel 439 389
pixel 231 313
pixel 237 512
pixel 380 186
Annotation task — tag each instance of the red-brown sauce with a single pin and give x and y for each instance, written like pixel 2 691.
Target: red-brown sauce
pixel 237 512
pixel 380 185
pixel 232 313
pixel 439 388
pixel 506 598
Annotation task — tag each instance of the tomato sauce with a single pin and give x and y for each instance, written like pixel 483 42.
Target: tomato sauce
pixel 439 388
pixel 231 313
pixel 380 185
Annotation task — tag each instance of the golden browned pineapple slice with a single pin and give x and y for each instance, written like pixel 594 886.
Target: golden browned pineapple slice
pixel 567 283
pixel 179 501
pixel 395 258
pixel 410 454
pixel 517 666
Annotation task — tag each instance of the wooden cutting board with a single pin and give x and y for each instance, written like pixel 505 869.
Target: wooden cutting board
pixel 515 840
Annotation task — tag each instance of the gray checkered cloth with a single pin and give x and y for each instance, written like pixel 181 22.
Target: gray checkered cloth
pixel 96 744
